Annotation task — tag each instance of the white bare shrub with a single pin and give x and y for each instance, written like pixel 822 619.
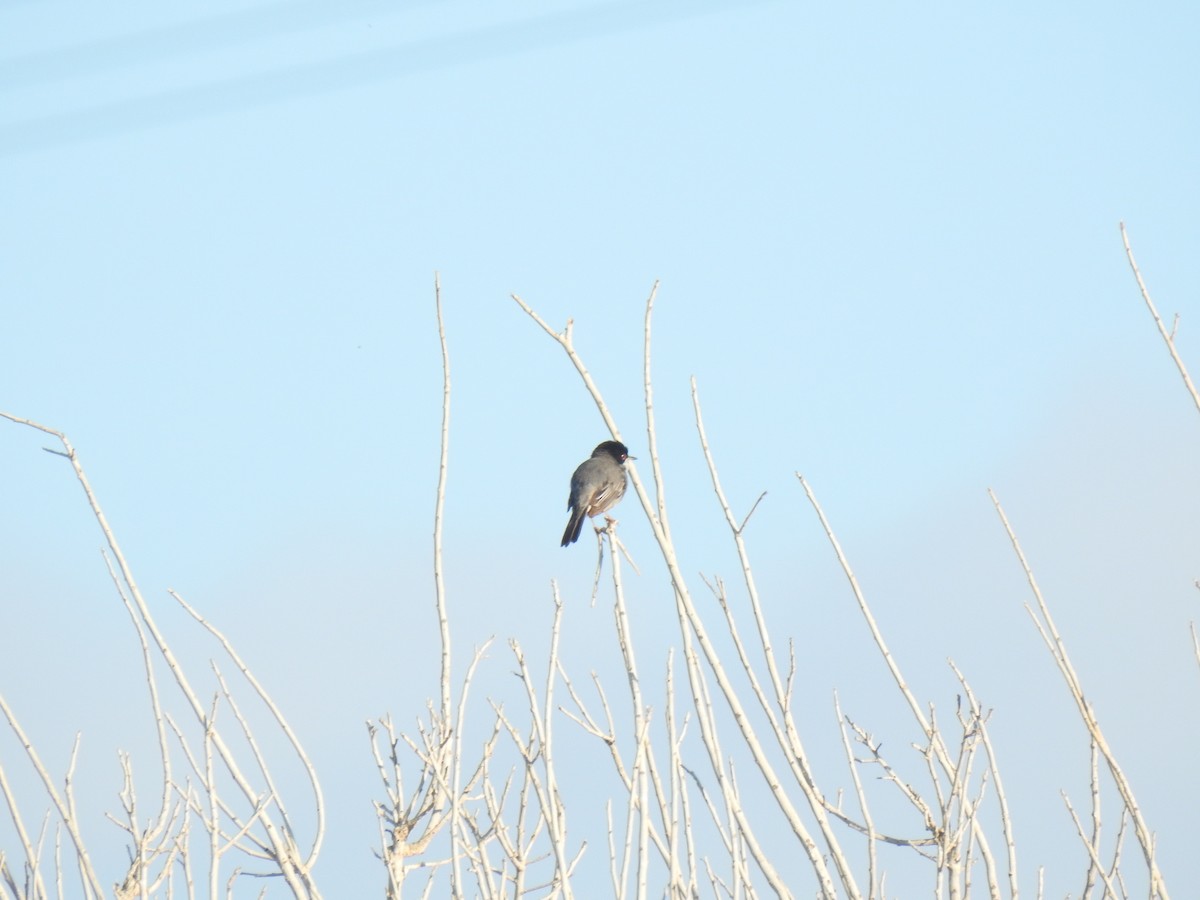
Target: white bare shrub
pixel 472 800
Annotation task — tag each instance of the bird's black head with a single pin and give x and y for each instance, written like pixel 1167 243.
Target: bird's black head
pixel 615 449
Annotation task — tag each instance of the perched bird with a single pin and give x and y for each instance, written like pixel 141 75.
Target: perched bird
pixel 596 486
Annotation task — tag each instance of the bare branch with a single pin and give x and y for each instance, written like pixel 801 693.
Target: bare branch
pixel 1167 336
pixel 1075 686
pixel 440 505
pixel 62 802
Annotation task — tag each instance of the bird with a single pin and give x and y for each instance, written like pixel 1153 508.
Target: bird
pixel 597 485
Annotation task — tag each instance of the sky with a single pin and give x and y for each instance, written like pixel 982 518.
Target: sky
pixel 886 247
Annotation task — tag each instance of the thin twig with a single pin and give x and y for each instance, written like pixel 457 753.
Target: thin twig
pixel 1058 650
pixel 439 506
pixel 868 824
pixel 1167 336
pixel 91 881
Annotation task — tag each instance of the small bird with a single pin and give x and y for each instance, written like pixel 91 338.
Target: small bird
pixel 597 485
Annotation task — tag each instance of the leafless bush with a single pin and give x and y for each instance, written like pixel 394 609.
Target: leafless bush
pixel 488 817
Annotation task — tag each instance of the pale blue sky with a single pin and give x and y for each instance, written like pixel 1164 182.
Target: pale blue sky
pixel 888 250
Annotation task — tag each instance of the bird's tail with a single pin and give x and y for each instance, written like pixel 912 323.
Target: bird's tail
pixel 574 526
